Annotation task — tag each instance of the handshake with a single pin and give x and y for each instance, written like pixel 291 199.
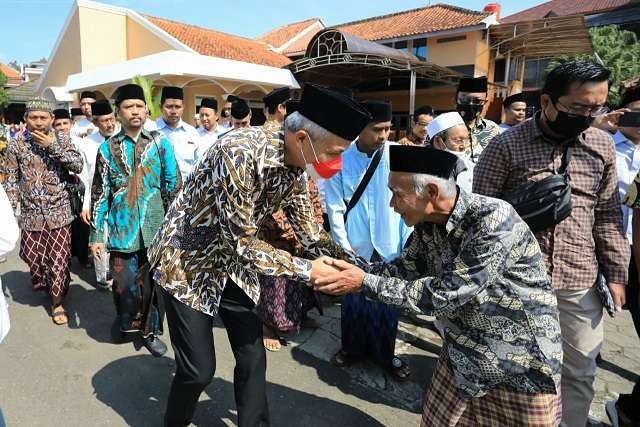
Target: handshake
pixel 335 277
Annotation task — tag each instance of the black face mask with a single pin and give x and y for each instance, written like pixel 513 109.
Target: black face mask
pixel 569 125
pixel 469 111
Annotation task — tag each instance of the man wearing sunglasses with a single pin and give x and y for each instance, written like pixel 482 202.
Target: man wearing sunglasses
pixel 471 98
pixel 591 238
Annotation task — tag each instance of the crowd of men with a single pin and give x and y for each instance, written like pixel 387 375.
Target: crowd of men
pixel 514 236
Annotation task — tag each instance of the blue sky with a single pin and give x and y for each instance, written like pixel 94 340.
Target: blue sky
pixel 32 26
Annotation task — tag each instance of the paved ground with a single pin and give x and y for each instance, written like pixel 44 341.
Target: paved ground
pixel 74 376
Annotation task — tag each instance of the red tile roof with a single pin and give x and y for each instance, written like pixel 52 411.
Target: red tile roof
pixel 564 8
pixel 283 34
pixel 13 76
pixel 424 20
pixel 222 45
pixel 301 44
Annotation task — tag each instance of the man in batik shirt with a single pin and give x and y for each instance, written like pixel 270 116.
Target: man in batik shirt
pixel 208 257
pixel 471 98
pixel 136 176
pixel 38 165
pixel 476 266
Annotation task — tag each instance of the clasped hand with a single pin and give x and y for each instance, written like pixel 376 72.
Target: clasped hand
pixel 335 277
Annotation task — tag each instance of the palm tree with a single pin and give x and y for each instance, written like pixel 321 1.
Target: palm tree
pixel 152 95
pixel 616 49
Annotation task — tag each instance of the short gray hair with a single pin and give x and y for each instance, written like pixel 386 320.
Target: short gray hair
pixel 296 121
pixel 447 186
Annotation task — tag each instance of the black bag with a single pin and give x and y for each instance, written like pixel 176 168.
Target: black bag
pixel 545 203
pixel 75 188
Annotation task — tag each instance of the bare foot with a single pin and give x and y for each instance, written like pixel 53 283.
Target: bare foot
pixel 270 339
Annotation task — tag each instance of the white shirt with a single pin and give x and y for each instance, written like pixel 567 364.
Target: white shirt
pixel 150 125
pixel 8 238
pixel 372 225
pixel 207 139
pixel 628 166
pixel 82 128
pixel 88 147
pixel 184 139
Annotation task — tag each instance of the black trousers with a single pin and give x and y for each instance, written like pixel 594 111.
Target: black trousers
pixel 192 341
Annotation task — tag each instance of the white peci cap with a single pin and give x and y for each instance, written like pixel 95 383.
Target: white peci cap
pixel 443 122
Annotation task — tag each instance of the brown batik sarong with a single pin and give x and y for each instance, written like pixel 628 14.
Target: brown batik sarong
pixel 48 255
pixel 443 406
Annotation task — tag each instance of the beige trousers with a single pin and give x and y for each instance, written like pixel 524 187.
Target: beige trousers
pixel 582 335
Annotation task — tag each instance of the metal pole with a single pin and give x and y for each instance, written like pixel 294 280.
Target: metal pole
pixel 507 65
pixel 412 93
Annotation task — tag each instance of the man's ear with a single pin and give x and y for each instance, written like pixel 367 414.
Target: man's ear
pixel 438 143
pixel 433 190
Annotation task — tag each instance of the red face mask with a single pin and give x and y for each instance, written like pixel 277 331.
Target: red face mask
pixel 328 169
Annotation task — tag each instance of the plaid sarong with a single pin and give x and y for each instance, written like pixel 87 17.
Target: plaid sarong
pixel 443 406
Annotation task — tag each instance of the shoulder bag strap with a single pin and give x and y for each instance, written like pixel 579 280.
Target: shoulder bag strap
pixel 364 182
pixel 566 158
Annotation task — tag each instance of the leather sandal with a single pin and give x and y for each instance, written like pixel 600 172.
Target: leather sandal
pixel 59 315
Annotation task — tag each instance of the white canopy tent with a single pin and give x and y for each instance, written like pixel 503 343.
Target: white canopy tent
pixel 183 64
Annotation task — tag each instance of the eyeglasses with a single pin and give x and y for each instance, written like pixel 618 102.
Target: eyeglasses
pixel 471 101
pixel 422 124
pixel 587 110
pixel 463 142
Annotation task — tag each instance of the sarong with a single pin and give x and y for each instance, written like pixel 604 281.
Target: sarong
pixel 80 241
pixel 138 304
pixel 284 303
pixel 369 329
pixel 48 255
pixel 443 406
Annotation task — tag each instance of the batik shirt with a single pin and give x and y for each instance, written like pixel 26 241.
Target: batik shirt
pixel 481 134
pixel 133 184
pixel 412 139
pixel 482 275
pixel 36 178
pixel 210 232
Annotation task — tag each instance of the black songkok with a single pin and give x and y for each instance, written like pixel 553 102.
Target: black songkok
pixel 517 97
pixel 630 95
pixel 292 106
pixel 277 97
pixel 76 112
pixel 380 110
pixel 61 113
pixel 239 109
pixel 101 108
pixel 171 92
pixel 209 103
pixel 413 159
pixel 129 91
pixel 333 111
pixel 88 94
pixel 472 84
pixel 232 98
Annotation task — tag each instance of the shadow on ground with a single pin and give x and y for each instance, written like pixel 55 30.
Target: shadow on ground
pixel 136 388
pixel 88 309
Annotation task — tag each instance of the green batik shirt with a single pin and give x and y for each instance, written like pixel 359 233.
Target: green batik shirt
pixel 483 276
pixel 481 135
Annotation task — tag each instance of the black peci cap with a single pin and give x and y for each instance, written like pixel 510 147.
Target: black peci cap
pixel 414 159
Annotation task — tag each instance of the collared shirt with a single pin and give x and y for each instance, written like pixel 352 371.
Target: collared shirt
pixel 207 139
pixel 592 236
pixel 482 132
pixel 628 166
pixel 88 147
pixel 184 139
pixel 36 178
pixel 82 128
pixel 482 275
pixel 133 184
pixel 372 225
pixel 210 232
pixel 412 139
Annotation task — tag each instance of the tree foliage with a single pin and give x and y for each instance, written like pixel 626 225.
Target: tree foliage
pixel 618 50
pixel 4 98
pixel 152 95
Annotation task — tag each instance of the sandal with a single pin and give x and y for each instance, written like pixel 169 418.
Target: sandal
pixel 270 339
pixel 341 359
pixel 59 315
pixel 399 369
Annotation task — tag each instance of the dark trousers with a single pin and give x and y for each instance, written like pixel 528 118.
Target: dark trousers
pixel 192 341
pixel 630 403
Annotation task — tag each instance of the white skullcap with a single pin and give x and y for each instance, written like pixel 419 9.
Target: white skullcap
pixel 443 122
